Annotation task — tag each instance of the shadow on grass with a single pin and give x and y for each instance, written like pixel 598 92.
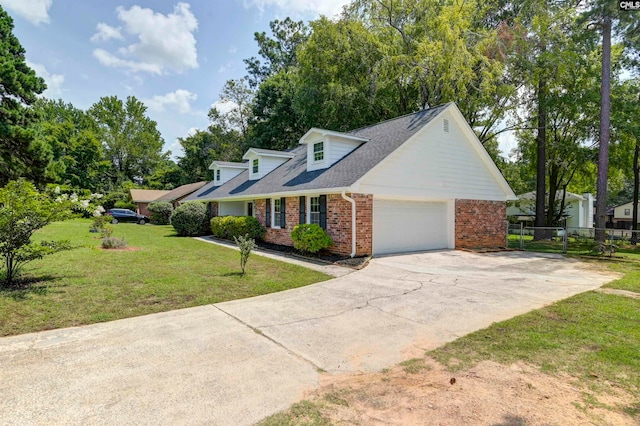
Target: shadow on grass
pixel 233 274
pixel 22 287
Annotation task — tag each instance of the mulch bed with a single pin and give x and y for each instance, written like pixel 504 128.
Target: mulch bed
pixel 323 256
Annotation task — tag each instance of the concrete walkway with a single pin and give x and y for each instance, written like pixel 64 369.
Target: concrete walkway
pixel 237 362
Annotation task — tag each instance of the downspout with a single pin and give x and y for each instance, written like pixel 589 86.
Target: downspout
pixel 353 222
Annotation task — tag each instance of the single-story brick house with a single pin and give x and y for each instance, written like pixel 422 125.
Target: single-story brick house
pixel 417 182
pixel 142 197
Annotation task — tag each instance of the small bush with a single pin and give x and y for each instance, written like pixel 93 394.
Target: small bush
pixel 98 223
pixel 230 227
pixel 106 231
pixel 113 243
pixel 160 212
pixel 190 220
pixel 246 245
pixel 125 205
pixel 310 238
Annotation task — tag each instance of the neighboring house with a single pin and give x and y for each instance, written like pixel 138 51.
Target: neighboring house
pixel 175 196
pixel 578 211
pixel 418 182
pixel 142 197
pixel 623 216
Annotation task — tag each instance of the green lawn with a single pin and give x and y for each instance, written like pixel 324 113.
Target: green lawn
pixel 88 285
pixel 592 336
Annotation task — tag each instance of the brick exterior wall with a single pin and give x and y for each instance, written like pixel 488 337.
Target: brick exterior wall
pixel 143 209
pixel 480 224
pixel 338 223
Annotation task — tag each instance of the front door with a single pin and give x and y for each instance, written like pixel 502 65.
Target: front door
pixel 250 208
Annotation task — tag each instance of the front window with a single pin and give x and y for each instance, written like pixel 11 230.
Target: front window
pixel 277 212
pixel 218 175
pixel 250 208
pixel 255 166
pixel 318 151
pixel 314 210
pixel 627 212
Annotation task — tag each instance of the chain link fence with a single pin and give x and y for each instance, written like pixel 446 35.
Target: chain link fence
pixel 562 240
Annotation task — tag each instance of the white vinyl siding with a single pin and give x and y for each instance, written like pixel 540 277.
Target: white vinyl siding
pixel 334 149
pixel 226 174
pixel 405 226
pixel 231 208
pixel 438 165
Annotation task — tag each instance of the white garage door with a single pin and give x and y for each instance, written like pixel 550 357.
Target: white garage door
pixel 402 226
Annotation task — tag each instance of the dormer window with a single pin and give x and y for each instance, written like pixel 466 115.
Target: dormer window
pixel 318 151
pixel 218 175
pixel 255 166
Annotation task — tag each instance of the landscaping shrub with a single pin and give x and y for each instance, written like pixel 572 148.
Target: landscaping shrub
pixel 160 212
pixel 190 220
pixel 125 205
pixel 113 243
pixel 310 238
pixel 98 223
pixel 230 227
pixel 246 245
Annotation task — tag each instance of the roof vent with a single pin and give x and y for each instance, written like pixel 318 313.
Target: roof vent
pixel 445 125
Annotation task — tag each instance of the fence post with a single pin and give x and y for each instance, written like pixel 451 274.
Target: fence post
pixel 521 237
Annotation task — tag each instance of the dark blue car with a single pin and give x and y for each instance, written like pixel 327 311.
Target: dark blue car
pixel 126 215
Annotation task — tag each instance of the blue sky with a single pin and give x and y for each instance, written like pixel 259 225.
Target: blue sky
pixel 175 56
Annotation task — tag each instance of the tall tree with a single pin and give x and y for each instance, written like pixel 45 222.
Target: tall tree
pixel 130 139
pixel 70 135
pixel 20 154
pixel 607 17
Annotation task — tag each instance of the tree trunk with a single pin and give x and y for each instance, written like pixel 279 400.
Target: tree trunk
pixel 541 142
pixel 636 184
pixel 553 191
pixel 605 117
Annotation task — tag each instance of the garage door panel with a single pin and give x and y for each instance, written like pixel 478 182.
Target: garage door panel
pixel 402 226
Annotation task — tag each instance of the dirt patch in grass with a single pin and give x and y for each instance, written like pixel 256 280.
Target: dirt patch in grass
pixel 488 393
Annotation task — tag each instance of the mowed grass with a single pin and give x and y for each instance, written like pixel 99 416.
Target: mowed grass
pixel 163 272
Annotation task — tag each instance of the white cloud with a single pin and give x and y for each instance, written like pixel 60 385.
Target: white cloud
pixel 224 107
pixel 176 150
pixel 233 49
pixel 164 42
pixel 111 60
pixel 317 7
pixel 54 81
pixel 106 32
pixel 180 100
pixel 34 11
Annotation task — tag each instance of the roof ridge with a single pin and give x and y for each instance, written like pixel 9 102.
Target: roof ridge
pixel 399 117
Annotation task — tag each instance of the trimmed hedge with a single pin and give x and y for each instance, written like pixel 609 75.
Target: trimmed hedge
pixel 161 212
pixel 230 227
pixel 310 238
pixel 190 219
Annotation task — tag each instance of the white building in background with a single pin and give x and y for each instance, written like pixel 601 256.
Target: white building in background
pixel 578 210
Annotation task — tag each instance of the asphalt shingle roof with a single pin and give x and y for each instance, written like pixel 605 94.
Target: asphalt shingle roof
pixel 384 138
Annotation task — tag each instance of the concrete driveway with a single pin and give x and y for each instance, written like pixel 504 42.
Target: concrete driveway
pixel 237 362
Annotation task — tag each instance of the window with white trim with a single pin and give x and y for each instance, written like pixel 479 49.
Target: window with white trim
pixel 218 175
pixel 314 210
pixel 318 151
pixel 255 166
pixel 277 213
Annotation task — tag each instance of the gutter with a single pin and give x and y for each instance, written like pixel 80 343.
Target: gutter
pixel 353 222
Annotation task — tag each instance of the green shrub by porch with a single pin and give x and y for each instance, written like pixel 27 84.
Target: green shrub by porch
pixel 190 219
pixel 231 227
pixel 161 212
pixel 310 238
